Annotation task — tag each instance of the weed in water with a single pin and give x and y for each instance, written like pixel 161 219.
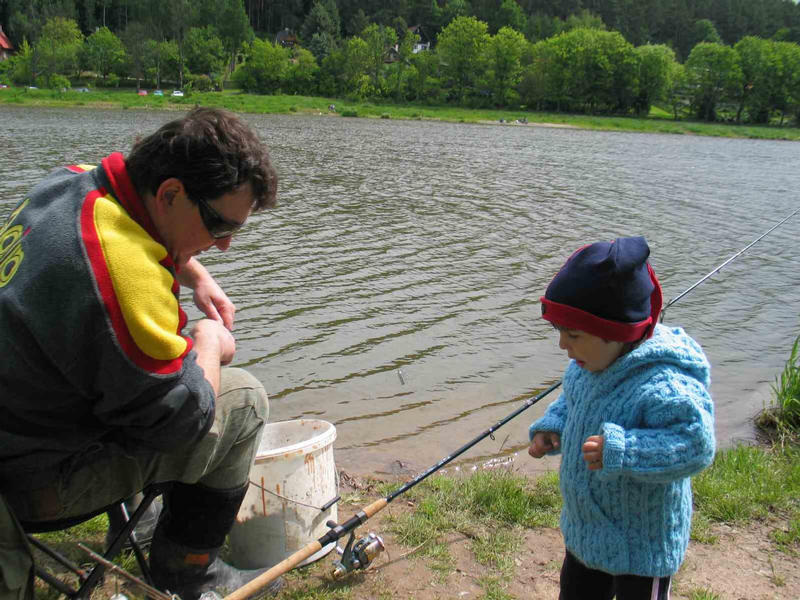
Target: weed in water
pixel 782 420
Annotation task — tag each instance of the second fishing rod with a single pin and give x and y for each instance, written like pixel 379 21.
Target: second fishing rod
pixel 359 554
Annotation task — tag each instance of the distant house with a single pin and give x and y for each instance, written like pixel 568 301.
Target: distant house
pixel 286 39
pixel 393 54
pixel 424 42
pixel 6 47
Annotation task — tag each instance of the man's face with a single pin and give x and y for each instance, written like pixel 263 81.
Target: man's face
pixel 188 234
pixel 591 352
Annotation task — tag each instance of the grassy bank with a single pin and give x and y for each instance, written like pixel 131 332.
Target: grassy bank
pixel 490 514
pixel 658 122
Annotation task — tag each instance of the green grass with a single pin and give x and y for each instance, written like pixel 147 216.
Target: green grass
pixel 659 120
pixel 703 594
pixel 491 508
pixel 781 420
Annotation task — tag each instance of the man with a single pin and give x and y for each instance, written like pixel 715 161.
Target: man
pixel 101 392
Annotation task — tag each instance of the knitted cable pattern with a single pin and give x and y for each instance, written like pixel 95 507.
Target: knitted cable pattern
pixel 655 412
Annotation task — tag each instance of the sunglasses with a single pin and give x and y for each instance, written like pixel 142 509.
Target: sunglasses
pixel 218 226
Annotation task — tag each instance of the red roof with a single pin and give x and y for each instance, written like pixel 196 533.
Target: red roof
pixel 5 43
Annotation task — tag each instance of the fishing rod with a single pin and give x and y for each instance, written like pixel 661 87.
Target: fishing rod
pixel 360 554
pixel 720 267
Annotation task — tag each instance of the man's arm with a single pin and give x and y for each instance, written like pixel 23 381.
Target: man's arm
pixel 208 295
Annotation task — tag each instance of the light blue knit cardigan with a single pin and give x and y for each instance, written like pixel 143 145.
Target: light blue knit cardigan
pixel 653 407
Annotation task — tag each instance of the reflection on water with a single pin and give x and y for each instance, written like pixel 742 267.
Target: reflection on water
pixel 395 290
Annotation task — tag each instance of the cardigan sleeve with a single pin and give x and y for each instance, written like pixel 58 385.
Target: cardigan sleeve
pixel 674 440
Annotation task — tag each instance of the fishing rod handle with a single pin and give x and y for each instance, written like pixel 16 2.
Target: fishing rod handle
pixel 375 507
pixel 287 564
pixel 252 587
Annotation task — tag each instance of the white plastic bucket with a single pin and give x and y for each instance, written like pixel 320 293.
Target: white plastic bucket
pixel 292 478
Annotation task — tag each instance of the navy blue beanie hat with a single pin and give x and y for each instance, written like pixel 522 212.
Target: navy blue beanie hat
pixel 607 289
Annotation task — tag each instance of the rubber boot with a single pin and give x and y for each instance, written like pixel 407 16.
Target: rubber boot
pixel 184 554
pixel 143 532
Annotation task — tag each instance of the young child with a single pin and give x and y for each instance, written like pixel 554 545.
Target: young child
pixel 633 422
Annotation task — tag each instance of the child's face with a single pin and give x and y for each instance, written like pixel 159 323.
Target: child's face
pixel 589 351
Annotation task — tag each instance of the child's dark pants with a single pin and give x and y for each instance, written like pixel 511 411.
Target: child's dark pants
pixel 579 582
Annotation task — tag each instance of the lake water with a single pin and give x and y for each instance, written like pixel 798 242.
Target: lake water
pixel 395 290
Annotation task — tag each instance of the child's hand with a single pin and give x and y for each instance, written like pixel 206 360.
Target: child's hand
pixel 544 442
pixel 593 452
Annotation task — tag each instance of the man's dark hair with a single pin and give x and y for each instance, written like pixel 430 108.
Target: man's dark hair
pixel 212 151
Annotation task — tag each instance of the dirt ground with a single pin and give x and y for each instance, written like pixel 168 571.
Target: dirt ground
pixel 744 564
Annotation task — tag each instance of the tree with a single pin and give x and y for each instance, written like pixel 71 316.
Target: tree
pixel 180 15
pixel 760 81
pixel 405 53
pixel 454 9
pixel 265 68
pixel 788 55
pixel 505 67
pixel 541 27
pixel 704 31
pixel 656 68
pixel 302 73
pixel 585 19
pixel 461 49
pixel 22 65
pixel 508 15
pixel 135 38
pixel 204 51
pixel 358 23
pixel 162 60
pixel 423 79
pixel 714 75
pixel 379 39
pixel 104 52
pixel 231 22
pixel 56 51
pixel 356 63
pixel 320 21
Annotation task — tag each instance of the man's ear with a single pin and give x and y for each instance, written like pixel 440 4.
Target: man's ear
pixel 168 191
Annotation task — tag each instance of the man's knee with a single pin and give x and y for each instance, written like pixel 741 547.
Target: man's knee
pixel 240 388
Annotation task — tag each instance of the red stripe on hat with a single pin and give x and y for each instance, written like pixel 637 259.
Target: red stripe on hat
pixel 570 317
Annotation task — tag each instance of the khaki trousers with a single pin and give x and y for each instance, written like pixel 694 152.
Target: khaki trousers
pixel 105 473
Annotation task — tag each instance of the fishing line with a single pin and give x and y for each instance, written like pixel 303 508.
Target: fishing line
pixel 720 267
pixel 360 555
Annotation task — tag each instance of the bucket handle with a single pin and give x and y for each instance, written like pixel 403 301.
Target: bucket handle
pixel 322 508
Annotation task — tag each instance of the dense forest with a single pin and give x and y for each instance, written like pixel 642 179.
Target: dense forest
pixel 670 22
pixel 712 59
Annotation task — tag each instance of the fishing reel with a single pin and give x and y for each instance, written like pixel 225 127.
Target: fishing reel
pixel 358 555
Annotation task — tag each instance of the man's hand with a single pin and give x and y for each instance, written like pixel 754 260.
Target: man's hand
pixel 207 294
pixel 544 442
pixel 593 452
pixel 214 346
pixel 214 302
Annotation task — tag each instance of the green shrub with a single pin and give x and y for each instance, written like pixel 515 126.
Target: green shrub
pixel 59 82
pixel 783 417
